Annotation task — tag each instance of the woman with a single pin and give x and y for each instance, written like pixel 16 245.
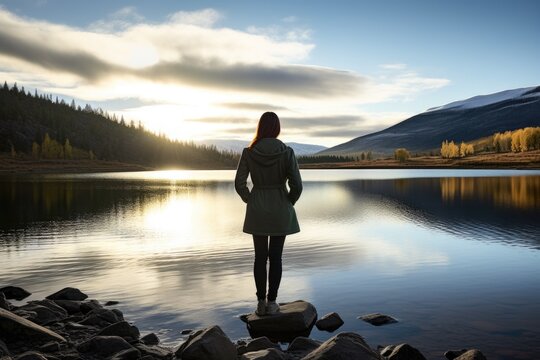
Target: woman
pixel 270 214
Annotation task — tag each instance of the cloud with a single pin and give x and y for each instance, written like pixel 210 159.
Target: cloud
pixel 222 120
pixel 330 120
pixel 205 17
pixel 253 106
pixel 118 20
pixel 186 68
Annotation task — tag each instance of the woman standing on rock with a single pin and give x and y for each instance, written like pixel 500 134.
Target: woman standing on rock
pixel 270 214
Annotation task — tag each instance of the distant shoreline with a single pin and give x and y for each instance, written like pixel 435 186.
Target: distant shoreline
pixel 528 160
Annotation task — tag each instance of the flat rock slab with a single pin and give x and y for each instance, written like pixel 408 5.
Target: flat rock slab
pixel 14 327
pixel 294 319
pixel 377 319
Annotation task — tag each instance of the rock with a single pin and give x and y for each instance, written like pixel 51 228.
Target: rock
pixel 87 306
pixel 50 347
pixel 31 355
pixel 402 352
pixel 75 326
pixel 257 344
pixel 68 293
pixel 472 354
pixel 4 351
pixel 104 345
pixel 267 354
pixel 186 331
pixel 157 352
pixel 14 292
pixel 294 319
pixel 4 304
pixel 150 339
pixel 14 327
pixel 208 344
pixel 71 306
pixel 343 346
pixel 303 346
pixel 452 354
pixel 378 319
pixel 128 354
pixel 30 315
pixel 45 314
pixel 329 322
pixel 101 318
pixel 122 329
pixel 111 303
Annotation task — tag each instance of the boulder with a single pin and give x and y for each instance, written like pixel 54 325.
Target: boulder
pixel 257 344
pixel 15 293
pixel 4 351
pixel 329 322
pixel 87 306
pixel 294 319
pixel 4 304
pixel 46 313
pixel 472 354
pixel 128 354
pixel 343 346
pixel 186 331
pixel 208 344
pixel 111 303
pixel 71 306
pixel 302 346
pixel 31 355
pixel 14 327
pixel 402 352
pixel 378 319
pixel 68 293
pixel 104 345
pixel 150 339
pixel 157 352
pixel 101 318
pixel 266 354
pixel 122 329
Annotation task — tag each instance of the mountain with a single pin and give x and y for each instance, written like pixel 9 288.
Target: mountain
pixel 26 119
pixel 237 146
pixel 464 120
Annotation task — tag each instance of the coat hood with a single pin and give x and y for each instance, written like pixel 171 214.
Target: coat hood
pixel 268 151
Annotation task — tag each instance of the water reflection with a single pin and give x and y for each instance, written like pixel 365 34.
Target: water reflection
pixel 172 251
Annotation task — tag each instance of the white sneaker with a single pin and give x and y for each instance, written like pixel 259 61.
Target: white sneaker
pixel 261 308
pixel 272 308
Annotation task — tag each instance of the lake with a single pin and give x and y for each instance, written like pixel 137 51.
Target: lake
pixel 452 254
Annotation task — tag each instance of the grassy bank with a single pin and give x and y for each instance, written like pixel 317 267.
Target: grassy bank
pixel 29 165
pixel 525 160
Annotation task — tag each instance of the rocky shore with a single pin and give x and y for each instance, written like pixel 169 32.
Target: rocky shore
pixel 67 325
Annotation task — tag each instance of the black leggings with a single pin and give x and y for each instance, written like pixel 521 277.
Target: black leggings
pixel 264 251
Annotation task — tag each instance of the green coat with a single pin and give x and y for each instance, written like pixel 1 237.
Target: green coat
pixel 269 208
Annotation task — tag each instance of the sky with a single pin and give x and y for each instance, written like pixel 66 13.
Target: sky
pixel 332 71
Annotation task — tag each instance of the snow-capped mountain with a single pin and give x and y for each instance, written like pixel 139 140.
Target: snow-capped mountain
pixel 463 120
pixel 483 100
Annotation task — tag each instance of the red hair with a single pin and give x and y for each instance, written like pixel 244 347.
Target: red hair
pixel 268 127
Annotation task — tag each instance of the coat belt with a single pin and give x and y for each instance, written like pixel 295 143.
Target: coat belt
pixel 274 186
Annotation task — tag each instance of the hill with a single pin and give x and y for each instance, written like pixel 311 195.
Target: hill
pixel 464 120
pixel 25 120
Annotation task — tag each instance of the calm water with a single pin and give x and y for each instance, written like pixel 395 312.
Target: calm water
pixel 454 255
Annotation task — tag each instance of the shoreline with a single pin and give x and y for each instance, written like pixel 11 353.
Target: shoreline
pixel 67 325
pixel 492 161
